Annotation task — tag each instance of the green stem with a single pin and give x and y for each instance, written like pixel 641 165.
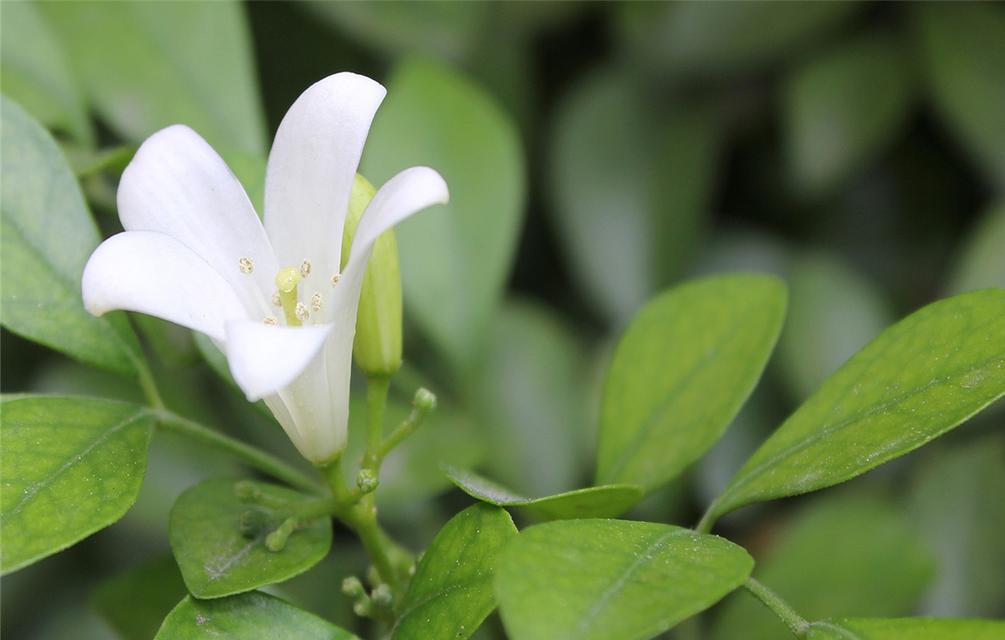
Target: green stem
pixel 796 623
pixel 707 521
pixel 402 431
pixel 255 457
pixel 376 401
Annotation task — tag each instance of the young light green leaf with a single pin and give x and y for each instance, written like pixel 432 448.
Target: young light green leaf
pixel 134 603
pixel 217 559
pixel 906 629
pixel 68 467
pixel 176 62
pixel 47 235
pixel 249 616
pixel 918 379
pixel 530 395
pixel 833 312
pixel 843 108
pixel 681 372
pixel 454 258
pixel 876 564
pixel 959 511
pixel 608 501
pixel 631 189
pixel 36 74
pixel 964 47
pixel 981 262
pixel 602 579
pixel 451 592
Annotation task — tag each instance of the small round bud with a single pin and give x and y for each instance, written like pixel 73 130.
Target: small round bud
pixel 352 587
pixel 362 608
pixel 381 596
pixel 366 480
pixel 247 491
pixel 424 400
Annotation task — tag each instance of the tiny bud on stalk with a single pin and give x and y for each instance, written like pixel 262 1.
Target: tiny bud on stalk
pixel 377 347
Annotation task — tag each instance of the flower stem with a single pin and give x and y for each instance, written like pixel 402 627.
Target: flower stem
pixel 796 623
pixel 376 401
pixel 706 523
pixel 424 403
pixel 255 457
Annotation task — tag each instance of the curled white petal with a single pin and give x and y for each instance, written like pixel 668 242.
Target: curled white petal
pixel 155 274
pixel 265 358
pixel 177 185
pixel 311 169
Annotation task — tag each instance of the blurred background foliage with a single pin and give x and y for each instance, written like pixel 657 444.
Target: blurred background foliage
pixel 597 153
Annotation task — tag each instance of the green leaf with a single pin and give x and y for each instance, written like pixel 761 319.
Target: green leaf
pixel 249 616
pixel 981 262
pixel 631 189
pixel 451 592
pixel 455 258
pixel 530 400
pixel 875 564
pixel 134 603
pixel 833 312
pixel 920 378
pixel 726 37
pixel 602 579
pixel 70 466
pixel 844 108
pixel 906 629
pixel 964 47
pixel 217 560
pixel 607 501
pixel 959 511
pixel 47 236
pixel 36 74
pixel 681 372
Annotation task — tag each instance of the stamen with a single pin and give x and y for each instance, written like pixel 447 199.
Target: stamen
pixel 305 268
pixel 301 312
pixel 336 278
pixel 245 265
pixel 270 320
pixel 286 281
pixel 276 300
pixel 316 302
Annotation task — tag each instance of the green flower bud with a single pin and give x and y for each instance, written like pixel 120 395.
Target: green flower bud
pixel 366 481
pixel 352 587
pixel 377 348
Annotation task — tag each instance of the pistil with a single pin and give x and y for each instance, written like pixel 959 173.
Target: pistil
pixel 286 282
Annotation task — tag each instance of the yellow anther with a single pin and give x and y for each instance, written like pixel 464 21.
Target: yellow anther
pixel 286 281
pixel 245 265
pixel 316 302
pixel 336 278
pixel 301 312
pixel 270 320
pixel 276 300
pixel 305 268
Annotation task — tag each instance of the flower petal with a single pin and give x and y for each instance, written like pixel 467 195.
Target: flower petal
pixel 311 169
pixel 177 185
pixel 155 274
pixel 265 358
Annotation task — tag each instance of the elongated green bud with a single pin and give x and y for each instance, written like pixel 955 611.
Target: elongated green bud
pixel 377 348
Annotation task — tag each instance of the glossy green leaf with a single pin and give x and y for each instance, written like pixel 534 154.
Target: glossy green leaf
pixel 36 74
pixel 959 511
pixel 69 467
pixel 145 66
pixel 918 379
pixel 454 258
pixel 47 235
pixel 451 592
pixel 603 579
pixel 607 501
pixel 631 189
pixel 844 108
pixel 217 560
pixel 530 399
pixel 725 37
pixel 906 629
pixel 981 262
pixel 681 372
pixel 875 564
pixel 964 47
pixel 134 603
pixel 249 616
pixel 833 312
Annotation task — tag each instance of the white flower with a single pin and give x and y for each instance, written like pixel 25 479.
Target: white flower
pixel 195 253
